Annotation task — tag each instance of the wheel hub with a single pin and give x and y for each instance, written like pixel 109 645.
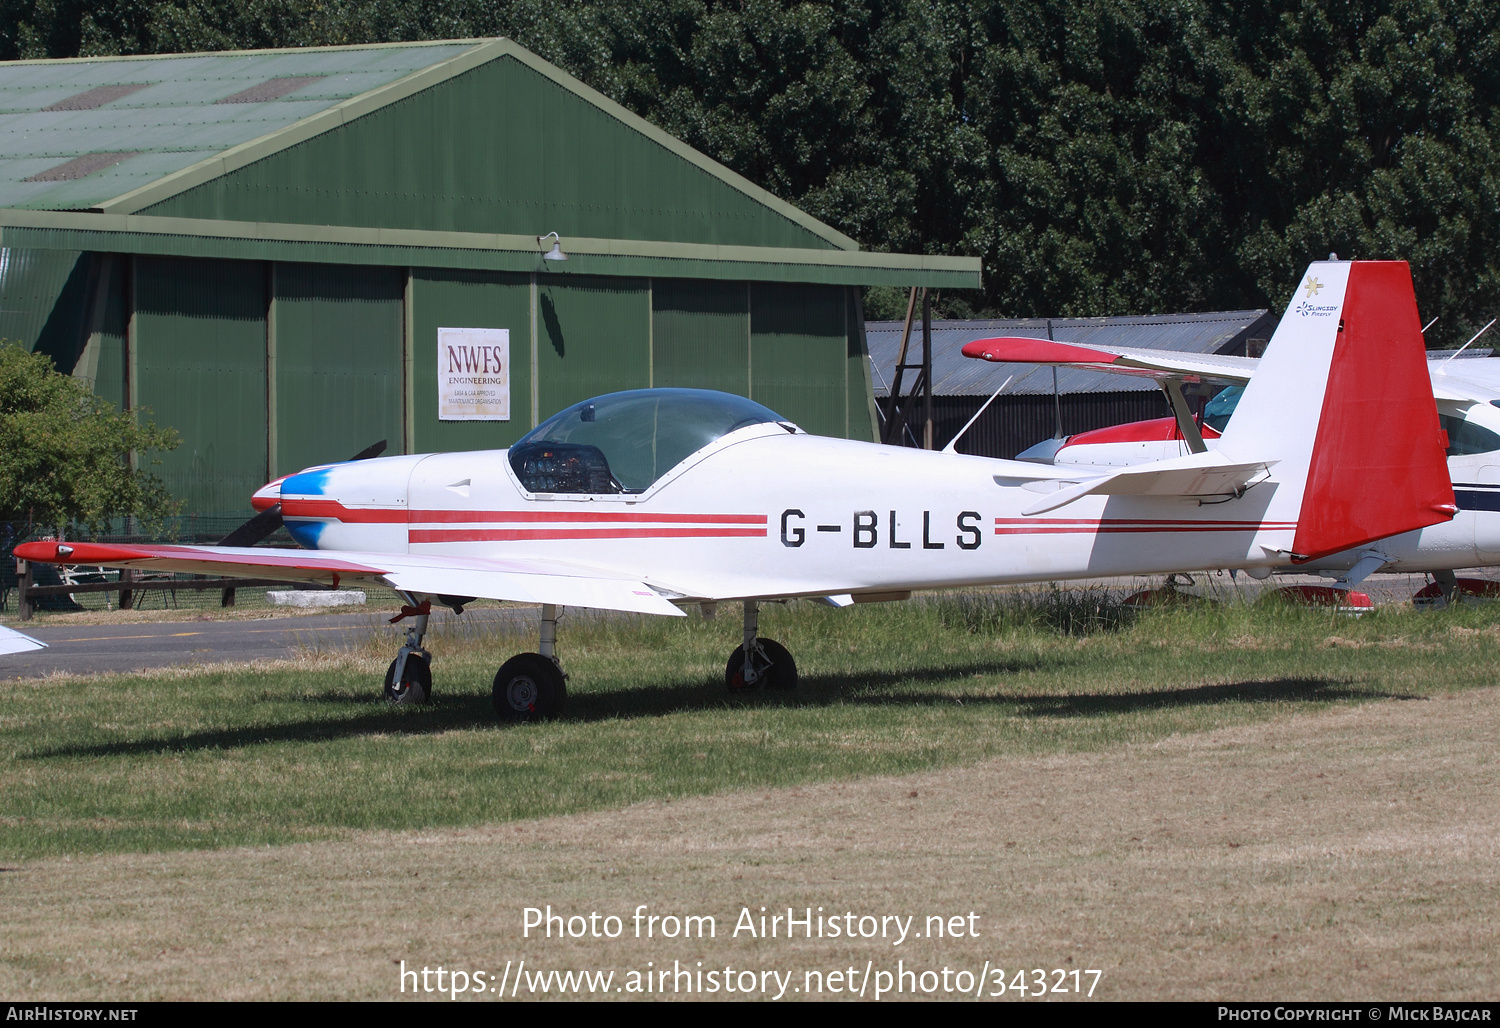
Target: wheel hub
pixel 521 693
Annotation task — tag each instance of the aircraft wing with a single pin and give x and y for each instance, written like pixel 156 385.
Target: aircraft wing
pixel 522 580
pixel 1199 475
pixel 14 642
pixel 1156 364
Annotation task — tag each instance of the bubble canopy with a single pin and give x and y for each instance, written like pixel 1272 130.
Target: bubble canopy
pixel 623 442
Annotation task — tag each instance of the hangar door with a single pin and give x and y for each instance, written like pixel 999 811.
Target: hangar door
pixel 199 365
pixel 336 350
pixel 451 298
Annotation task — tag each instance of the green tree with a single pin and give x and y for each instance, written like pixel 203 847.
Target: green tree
pixel 1101 156
pixel 65 453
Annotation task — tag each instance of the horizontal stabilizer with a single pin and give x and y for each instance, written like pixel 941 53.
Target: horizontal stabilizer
pixel 522 580
pixel 1160 365
pixel 1203 476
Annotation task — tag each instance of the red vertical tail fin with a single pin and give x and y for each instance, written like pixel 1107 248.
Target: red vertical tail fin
pixel 1378 467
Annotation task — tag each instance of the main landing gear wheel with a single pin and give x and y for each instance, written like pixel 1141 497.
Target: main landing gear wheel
pixel 773 666
pixel 416 681
pixel 529 687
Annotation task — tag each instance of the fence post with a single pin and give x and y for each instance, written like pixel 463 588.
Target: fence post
pixel 127 594
pixel 23 585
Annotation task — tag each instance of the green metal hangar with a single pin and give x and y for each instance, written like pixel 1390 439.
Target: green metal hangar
pixel 265 248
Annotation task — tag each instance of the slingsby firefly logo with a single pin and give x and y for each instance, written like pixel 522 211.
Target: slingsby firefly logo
pixel 1314 310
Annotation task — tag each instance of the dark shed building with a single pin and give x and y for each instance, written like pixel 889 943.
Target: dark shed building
pixel 262 247
pixel 1029 410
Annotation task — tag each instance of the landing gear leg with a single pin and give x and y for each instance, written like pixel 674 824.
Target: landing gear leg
pixel 1447 581
pixel 409 678
pixel 758 662
pixel 531 686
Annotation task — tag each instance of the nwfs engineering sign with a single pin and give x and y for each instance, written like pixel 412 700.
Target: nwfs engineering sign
pixel 473 374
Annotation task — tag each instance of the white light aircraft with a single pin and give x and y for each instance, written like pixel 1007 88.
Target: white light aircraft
pixel 1466 395
pixel 654 500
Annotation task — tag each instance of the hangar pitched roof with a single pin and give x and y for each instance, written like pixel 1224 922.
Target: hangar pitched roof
pixel 149 118
pixel 454 153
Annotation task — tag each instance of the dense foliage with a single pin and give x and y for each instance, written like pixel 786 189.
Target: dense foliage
pixel 65 453
pixel 1103 156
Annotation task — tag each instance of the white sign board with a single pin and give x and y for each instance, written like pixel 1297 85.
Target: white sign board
pixel 473 374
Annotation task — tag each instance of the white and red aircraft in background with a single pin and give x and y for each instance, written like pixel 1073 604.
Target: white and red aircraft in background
pixel 652 500
pixel 1466 394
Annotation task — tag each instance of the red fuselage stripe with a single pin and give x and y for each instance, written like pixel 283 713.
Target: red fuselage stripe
pixel 440 517
pixel 313 508
pixel 1109 526
pixel 1141 521
pixel 477 535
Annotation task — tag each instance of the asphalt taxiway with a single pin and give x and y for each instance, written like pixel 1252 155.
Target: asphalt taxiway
pixel 139 646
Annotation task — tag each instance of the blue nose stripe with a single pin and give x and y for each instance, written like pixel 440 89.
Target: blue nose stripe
pixel 307 483
pixel 306 532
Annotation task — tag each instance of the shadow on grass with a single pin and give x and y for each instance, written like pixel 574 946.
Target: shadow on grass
pixel 468 711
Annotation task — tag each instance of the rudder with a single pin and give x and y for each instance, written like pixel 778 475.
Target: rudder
pixel 1343 401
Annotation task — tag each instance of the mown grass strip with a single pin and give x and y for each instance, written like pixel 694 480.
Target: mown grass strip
pixel 227 756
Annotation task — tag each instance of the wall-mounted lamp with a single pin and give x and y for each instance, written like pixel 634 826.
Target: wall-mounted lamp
pixel 556 253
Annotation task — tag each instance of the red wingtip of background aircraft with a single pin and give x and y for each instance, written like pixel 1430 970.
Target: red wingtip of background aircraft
pixel 1021 350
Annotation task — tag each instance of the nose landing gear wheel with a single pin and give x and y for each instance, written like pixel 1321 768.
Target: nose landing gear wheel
pixel 529 687
pixel 415 685
pixel 775 669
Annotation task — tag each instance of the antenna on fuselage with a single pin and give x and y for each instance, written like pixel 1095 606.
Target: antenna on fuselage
pixel 1475 336
pixel 954 441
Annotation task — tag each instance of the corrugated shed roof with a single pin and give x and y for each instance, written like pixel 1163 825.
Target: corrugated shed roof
pixel 953 374
pixel 179 116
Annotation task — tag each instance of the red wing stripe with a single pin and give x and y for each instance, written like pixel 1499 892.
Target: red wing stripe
pixel 476 535
pixel 113 553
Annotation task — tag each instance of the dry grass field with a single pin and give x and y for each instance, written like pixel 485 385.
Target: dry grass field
pixel 1351 852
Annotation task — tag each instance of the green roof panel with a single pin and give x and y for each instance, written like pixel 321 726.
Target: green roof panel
pixel 457 154
pixel 178 119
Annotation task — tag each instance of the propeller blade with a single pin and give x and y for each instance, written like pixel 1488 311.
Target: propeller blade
pixel 256 529
pixel 373 450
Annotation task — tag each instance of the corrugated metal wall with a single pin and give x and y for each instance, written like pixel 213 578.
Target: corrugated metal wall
pixel 593 336
pixel 199 364
pixel 500 148
pixel 700 334
pixel 467 299
pixel 860 416
pixel 268 368
pixel 42 300
pixel 103 362
pixel 337 345
pixel 798 353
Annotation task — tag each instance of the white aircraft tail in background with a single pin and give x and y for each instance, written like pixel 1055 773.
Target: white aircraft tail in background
pixel 1340 404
